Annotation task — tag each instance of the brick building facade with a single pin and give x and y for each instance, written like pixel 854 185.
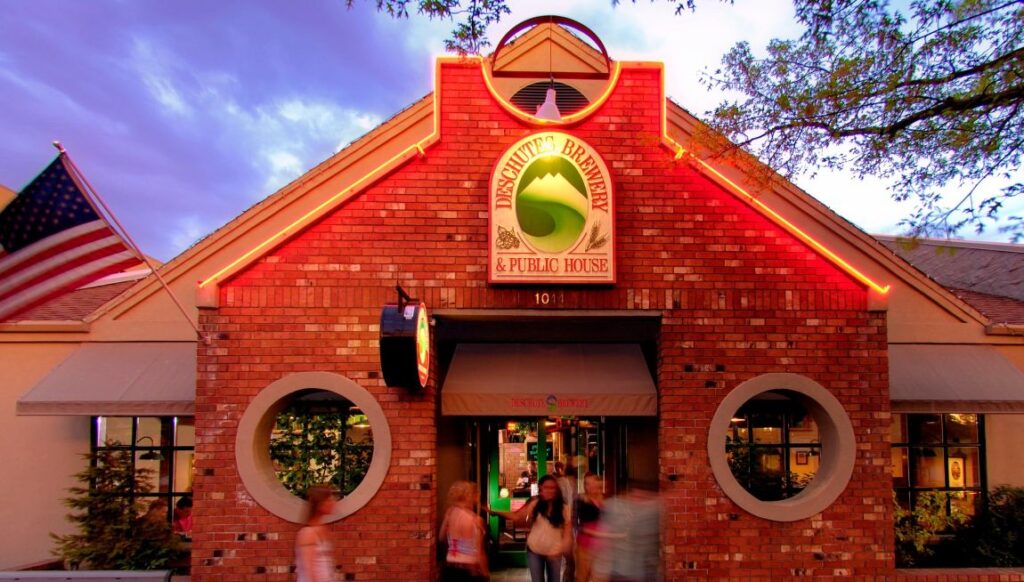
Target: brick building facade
pixel 737 296
pixel 777 375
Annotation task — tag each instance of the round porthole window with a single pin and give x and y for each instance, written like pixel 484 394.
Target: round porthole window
pixel 308 429
pixel 781 447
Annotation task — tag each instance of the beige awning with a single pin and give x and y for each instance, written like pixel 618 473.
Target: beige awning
pixel 549 380
pixel 118 379
pixel 953 378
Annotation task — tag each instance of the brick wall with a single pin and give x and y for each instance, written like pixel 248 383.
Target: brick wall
pixel 740 298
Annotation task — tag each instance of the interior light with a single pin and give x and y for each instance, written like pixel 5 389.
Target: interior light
pixel 503 492
pixel 149 455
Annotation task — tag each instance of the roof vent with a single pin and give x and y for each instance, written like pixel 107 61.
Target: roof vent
pixel 568 98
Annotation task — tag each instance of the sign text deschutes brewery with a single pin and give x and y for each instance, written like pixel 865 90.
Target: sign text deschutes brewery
pixel 552 218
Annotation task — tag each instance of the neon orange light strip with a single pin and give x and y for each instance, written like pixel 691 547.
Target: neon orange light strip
pixel 417 149
pixel 613 81
pixel 680 151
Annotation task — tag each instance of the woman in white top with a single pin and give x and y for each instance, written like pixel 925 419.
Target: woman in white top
pixel 314 559
pixel 463 529
pixel 550 536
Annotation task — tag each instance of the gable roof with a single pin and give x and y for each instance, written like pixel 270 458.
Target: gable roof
pixel 299 204
pixel 77 304
pixel 1000 310
pixel 980 267
pixel 988 276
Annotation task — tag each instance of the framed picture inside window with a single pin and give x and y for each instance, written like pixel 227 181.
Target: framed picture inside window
pixel 956 472
pixel 801 457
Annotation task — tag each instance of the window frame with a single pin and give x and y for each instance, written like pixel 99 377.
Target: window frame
pixel 835 431
pixel 785 444
pixel 252 444
pixel 905 495
pixel 168 451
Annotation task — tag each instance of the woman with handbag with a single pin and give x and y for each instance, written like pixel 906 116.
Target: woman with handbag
pixel 550 536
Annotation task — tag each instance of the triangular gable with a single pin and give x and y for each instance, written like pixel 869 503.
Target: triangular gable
pixel 786 204
pixel 257 231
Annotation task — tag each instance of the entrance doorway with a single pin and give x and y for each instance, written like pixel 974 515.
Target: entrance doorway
pixel 523 389
pixel 513 453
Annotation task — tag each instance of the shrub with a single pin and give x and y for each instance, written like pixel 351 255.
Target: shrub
pixel 917 531
pixel 996 535
pixel 113 533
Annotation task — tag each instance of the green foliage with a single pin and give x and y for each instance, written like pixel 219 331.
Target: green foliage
pixel 918 530
pixel 313 447
pixel 992 538
pixel 472 17
pixel 113 533
pixel 928 96
pixel 995 537
pixel 1000 539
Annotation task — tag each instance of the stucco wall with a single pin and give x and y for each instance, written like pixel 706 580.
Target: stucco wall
pixel 39 456
pixel 1004 454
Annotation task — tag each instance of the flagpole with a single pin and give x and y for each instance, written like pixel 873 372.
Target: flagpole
pixel 89 191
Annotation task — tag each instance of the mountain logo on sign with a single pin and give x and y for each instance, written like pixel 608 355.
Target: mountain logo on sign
pixel 551 204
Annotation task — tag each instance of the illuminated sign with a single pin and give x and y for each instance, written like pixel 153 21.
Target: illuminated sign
pixel 422 345
pixel 405 344
pixel 552 213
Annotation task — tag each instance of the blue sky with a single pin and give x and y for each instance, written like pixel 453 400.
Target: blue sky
pixel 183 114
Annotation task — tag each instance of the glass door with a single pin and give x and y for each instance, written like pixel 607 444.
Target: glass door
pixel 518 452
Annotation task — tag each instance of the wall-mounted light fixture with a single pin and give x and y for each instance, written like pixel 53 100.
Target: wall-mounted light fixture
pixel 150 455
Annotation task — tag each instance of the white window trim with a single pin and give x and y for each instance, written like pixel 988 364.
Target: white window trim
pixel 252 445
pixel 838 447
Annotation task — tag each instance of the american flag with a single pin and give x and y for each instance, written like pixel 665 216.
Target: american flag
pixel 52 240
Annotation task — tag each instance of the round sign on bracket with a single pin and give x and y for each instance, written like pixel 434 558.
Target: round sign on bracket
pixel 423 345
pixel 552 217
pixel 405 344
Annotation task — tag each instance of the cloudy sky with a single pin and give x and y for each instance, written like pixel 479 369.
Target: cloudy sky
pixel 183 114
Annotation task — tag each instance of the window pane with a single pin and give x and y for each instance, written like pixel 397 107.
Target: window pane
pixel 924 428
pixel 183 471
pixel 961 428
pixel 903 499
pixel 784 452
pixel 966 502
pixel 964 467
pixel 186 436
pixel 898 429
pixel 803 429
pixel 150 463
pixel 149 432
pixel 767 478
pixel 927 467
pixel 931 502
pixel 738 457
pixel 766 427
pixel 803 466
pixel 737 431
pixel 900 475
pixel 321 438
pixel 114 429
